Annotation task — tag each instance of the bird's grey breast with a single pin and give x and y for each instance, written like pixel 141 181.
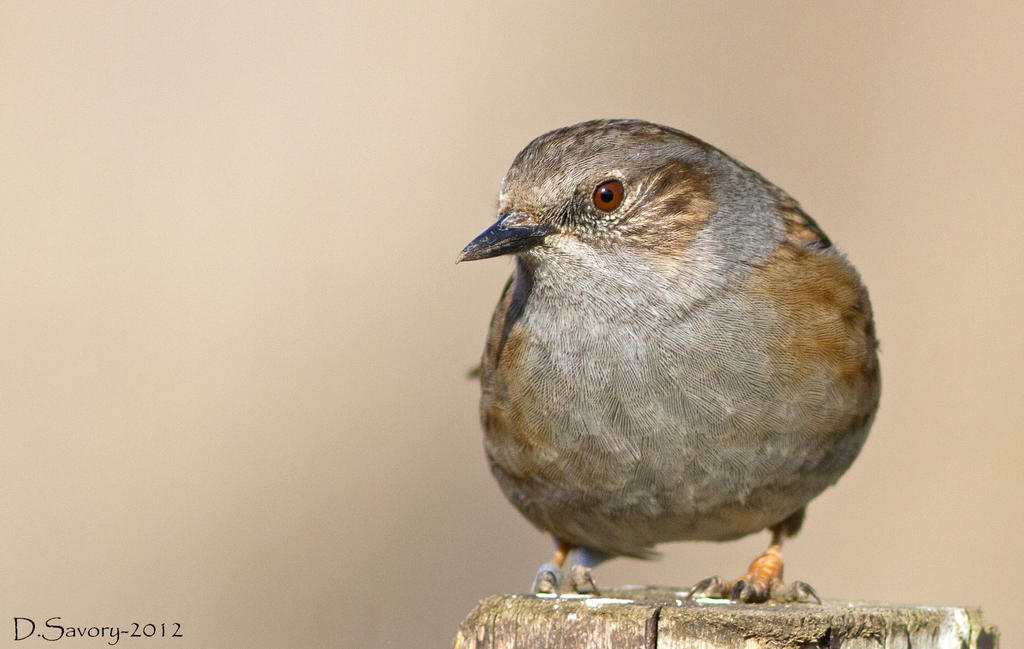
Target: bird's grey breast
pixel 626 375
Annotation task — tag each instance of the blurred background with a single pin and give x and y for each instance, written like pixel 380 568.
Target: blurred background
pixel 234 342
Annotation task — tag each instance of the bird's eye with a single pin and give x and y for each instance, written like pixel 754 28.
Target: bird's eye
pixel 608 195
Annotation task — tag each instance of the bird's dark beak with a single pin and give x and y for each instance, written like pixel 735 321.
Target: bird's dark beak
pixel 513 232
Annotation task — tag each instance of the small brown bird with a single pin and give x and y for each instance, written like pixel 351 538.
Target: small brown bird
pixel 680 354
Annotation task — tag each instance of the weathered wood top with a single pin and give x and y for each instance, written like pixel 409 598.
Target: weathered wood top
pixel 662 618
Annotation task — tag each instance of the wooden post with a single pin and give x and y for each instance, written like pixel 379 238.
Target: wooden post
pixel 661 618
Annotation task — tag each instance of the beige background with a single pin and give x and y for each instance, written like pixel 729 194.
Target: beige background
pixel 233 341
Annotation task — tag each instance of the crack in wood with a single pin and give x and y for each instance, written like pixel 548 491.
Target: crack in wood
pixel 651 629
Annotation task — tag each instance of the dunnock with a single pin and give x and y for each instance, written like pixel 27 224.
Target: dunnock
pixel 681 353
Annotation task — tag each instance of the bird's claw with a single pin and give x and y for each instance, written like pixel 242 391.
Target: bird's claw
pixel 750 592
pixel 548 579
pixel 582 580
pixel 797 591
pixel 710 587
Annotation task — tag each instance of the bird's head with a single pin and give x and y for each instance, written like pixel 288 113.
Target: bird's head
pixel 604 185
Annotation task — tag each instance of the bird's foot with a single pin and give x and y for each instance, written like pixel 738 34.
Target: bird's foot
pixel 762 583
pixel 751 592
pixel 582 580
pixel 578 576
pixel 548 579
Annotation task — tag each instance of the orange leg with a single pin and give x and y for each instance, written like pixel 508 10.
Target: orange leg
pixel 763 580
pixel 561 552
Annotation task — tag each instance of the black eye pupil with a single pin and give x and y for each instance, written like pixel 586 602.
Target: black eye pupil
pixel 607 195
